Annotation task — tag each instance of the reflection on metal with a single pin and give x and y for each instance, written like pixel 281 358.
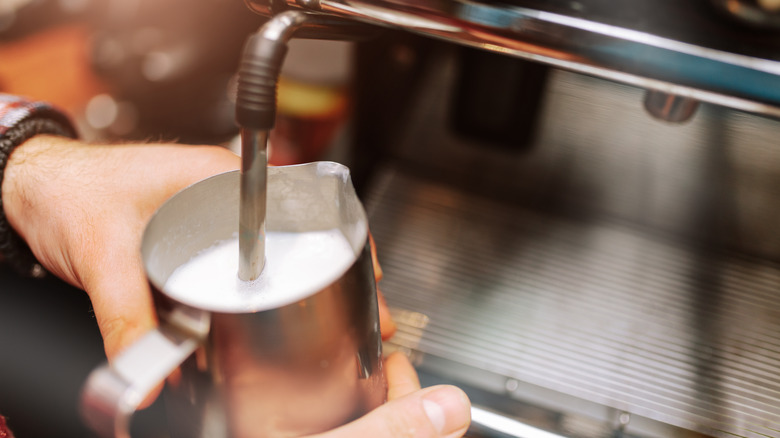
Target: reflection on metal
pixel 411 326
pixel 253 189
pixel 602 313
pixel 746 81
pixel 669 107
pixel 506 425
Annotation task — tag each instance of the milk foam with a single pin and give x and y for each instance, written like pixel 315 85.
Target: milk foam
pixel 296 265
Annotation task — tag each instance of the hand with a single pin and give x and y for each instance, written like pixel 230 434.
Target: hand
pixel 439 411
pixel 82 210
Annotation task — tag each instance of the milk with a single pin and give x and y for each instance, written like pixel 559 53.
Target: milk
pixel 296 265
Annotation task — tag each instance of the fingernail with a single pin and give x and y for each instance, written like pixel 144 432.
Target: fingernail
pixel 448 408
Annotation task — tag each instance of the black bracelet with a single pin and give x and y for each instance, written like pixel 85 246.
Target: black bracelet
pixel 21 120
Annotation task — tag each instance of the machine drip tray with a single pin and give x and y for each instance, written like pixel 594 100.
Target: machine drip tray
pixel 582 328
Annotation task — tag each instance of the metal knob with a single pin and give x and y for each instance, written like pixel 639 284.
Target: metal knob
pixel 670 107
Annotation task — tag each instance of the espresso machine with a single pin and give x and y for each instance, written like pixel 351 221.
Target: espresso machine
pixel 575 206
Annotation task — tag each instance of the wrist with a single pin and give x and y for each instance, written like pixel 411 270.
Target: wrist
pixel 20 121
pixel 21 181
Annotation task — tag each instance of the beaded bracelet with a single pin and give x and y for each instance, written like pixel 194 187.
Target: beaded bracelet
pixel 21 119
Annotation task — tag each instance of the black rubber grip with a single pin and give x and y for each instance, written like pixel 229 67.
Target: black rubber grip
pixel 258 75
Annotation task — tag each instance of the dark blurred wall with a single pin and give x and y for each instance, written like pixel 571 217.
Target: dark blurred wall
pixel 49 341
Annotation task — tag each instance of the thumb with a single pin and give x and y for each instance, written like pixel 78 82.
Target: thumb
pixel 436 412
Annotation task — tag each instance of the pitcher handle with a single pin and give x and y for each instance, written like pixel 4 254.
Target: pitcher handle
pixel 114 390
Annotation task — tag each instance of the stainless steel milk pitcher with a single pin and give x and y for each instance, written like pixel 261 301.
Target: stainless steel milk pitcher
pixel 290 370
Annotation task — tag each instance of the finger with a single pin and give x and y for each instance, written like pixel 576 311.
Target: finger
pixel 386 323
pixel 439 411
pixel 114 278
pixel 378 273
pixel 401 377
pixel 122 302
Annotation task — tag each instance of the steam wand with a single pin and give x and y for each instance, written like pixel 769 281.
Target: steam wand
pixel 258 75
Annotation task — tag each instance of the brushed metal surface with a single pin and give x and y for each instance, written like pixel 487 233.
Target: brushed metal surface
pixel 597 310
pixel 598 154
pixel 622 273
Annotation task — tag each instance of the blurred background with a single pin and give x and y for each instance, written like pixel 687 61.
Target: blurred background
pixel 135 69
